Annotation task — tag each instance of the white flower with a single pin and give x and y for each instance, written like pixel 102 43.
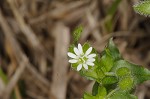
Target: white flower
pixel 82 59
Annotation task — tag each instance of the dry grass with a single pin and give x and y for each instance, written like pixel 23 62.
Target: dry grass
pixel 35 36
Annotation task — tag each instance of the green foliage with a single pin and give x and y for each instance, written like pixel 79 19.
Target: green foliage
pixel 77 33
pixel 115 78
pixel 143 7
pixel 113 8
pixel 139 73
pixel 101 93
pixel 126 83
pixel 95 89
pixel 110 13
pixel 123 71
pixel 122 95
pixel 109 80
pixel 88 96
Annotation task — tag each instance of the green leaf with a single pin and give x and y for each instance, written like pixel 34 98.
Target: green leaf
pixel 126 83
pixel 100 74
pixel 109 80
pixel 71 49
pixel 109 55
pixel 89 74
pixel 139 73
pixel 95 89
pixel 143 7
pixel 86 46
pixel 98 90
pixel 88 96
pixel 107 62
pixel 113 50
pixel 123 71
pixel 122 95
pixel 102 91
pixel 77 33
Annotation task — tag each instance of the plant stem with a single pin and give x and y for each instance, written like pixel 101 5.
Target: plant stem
pixel 112 92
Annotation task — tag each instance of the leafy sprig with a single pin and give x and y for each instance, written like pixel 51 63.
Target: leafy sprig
pixel 115 78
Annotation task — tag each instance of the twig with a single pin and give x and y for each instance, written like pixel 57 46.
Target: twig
pixel 14 79
pixel 20 56
pixel 32 39
pixel 16 50
pixel 60 67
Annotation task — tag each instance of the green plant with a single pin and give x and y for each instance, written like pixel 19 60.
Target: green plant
pixel 142 7
pixel 115 78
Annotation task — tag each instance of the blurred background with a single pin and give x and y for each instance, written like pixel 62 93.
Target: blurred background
pixel 35 36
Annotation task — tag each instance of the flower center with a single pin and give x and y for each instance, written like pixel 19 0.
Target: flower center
pixel 82 59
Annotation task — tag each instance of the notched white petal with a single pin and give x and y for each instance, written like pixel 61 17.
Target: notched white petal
pixel 79 67
pixel 90 63
pixel 91 55
pixel 91 60
pixel 80 48
pixel 73 61
pixel 76 51
pixel 88 51
pixel 71 55
pixel 85 66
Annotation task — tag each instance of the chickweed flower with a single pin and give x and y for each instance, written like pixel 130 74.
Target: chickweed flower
pixel 83 59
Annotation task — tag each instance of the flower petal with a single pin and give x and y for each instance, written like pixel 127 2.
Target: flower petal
pixel 91 55
pixel 79 67
pixel 85 66
pixel 80 48
pixel 88 51
pixel 90 63
pixel 71 55
pixel 73 61
pixel 76 51
pixel 91 60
